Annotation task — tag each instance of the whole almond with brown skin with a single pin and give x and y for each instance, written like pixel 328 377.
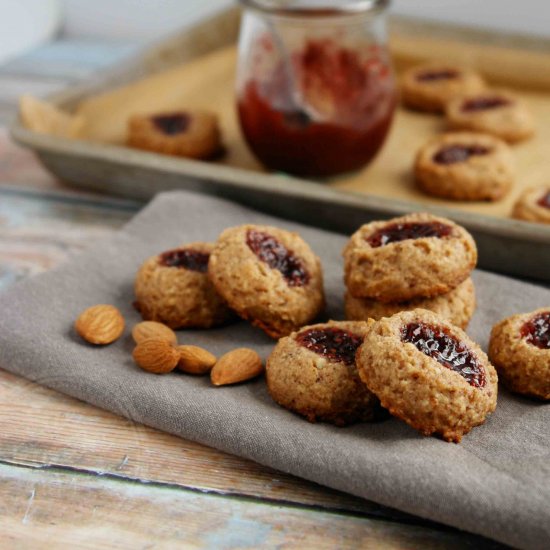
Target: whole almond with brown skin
pixel 236 366
pixel 100 324
pixel 195 360
pixel 147 330
pixel 158 356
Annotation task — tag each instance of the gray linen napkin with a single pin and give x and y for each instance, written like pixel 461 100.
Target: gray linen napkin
pixel 495 483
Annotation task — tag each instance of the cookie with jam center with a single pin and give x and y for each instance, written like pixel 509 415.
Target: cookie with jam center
pixel 520 350
pixel 465 166
pixel 269 276
pixel 431 86
pixel 428 373
pixel 313 373
pixel 457 306
pixel 173 288
pixel 192 134
pixel 495 112
pixel 533 205
pixel 414 256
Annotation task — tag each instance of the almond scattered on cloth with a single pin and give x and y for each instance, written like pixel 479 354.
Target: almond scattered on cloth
pixel 100 324
pixel 157 356
pixel 236 366
pixel 195 360
pixel 147 330
pixel 157 349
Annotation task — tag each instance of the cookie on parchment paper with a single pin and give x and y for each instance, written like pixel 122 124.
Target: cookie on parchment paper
pixel 192 134
pixel 533 205
pixel 431 86
pixel 495 112
pixel 465 166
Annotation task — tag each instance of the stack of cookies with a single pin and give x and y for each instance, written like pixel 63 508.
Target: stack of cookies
pixel 415 261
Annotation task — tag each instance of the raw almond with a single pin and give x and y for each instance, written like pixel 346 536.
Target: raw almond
pixel 236 366
pixel 195 360
pixel 100 324
pixel 156 356
pixel 147 330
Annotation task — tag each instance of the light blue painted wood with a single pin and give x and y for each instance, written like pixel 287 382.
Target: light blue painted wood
pixel 69 59
pixel 182 518
pixel 40 229
pixel 52 67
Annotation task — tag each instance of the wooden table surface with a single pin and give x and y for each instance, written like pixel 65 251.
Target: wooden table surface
pixel 72 475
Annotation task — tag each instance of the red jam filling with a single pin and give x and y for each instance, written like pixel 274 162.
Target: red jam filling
pixel 350 103
pixel 333 343
pixel 269 250
pixel 484 103
pixel 434 76
pixel 172 124
pixel 544 201
pixel 397 232
pixel 185 258
pixel 459 153
pixel 537 330
pixel 438 343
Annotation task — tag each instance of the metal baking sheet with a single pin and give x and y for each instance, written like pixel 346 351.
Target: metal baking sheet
pixel 505 245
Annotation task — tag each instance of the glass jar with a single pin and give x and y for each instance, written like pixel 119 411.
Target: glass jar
pixel 315 88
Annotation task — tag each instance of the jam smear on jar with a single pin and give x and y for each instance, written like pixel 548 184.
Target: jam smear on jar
pixel 172 124
pixel 435 76
pixel 537 330
pixel 185 258
pixel 269 250
pixel 544 201
pixel 333 343
pixel 453 154
pixel 335 120
pixel 484 103
pixel 397 232
pixel 438 343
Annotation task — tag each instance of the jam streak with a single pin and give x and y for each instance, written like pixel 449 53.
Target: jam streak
pixel 434 76
pixel 484 103
pixel 185 258
pixel 397 232
pixel 333 343
pixel 544 201
pixel 438 343
pixel 173 124
pixel 269 250
pixel 536 331
pixel 459 153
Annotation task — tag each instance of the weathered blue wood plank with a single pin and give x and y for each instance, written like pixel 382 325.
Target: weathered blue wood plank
pixel 68 508
pixel 40 229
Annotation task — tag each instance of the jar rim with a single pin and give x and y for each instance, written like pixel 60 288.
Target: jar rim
pixel 351 7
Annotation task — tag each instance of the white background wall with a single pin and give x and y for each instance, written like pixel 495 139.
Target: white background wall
pixel 25 23
pixel 147 18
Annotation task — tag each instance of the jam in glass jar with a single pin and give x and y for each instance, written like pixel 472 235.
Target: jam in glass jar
pixel 315 87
